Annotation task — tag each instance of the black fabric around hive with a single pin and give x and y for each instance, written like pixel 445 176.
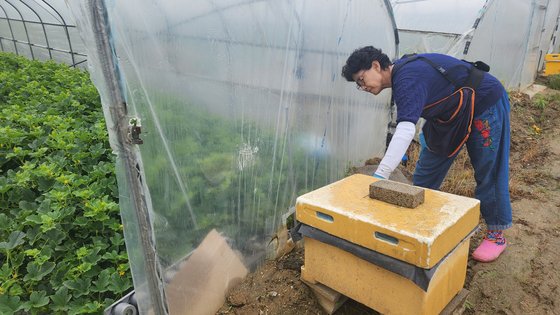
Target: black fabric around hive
pixel 420 276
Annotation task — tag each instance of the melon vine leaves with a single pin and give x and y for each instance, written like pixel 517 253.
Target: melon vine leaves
pixel 58 196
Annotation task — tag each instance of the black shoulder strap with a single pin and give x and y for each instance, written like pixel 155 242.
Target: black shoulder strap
pixel 474 78
pixel 409 58
pixel 476 73
pixel 413 57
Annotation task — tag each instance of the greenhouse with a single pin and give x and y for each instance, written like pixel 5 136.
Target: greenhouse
pixel 501 33
pixel 244 112
pixel 41 30
pixel 221 113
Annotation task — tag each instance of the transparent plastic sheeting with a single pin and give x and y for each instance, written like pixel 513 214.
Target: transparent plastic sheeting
pixel 555 36
pixel 552 29
pixel 440 16
pixel 40 29
pixel 243 108
pixel 434 25
pixel 511 36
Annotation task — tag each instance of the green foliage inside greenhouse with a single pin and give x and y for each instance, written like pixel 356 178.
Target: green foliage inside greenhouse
pixel 226 193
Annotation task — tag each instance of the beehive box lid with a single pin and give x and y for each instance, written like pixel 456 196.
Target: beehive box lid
pixel 421 236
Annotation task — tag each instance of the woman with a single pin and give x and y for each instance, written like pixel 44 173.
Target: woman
pixel 462 105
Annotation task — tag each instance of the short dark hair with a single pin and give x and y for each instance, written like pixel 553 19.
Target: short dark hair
pixel 361 59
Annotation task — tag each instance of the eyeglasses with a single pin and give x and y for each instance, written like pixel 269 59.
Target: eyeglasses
pixel 360 82
pixel 359 85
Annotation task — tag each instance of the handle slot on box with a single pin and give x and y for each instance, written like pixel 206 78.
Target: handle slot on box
pixel 386 238
pixel 325 217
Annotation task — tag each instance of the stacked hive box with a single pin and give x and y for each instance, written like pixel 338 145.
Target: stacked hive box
pixel 433 236
pixel 552 64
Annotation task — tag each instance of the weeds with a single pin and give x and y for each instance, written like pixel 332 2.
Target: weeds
pixel 469 305
pixel 554 82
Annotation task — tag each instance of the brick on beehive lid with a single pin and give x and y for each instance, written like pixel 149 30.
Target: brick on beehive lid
pixel 397 193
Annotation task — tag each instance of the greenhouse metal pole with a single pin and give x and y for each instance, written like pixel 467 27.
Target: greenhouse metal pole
pixel 395 28
pixel 127 151
pixel 10 27
pixel 42 25
pixel 24 28
pixel 65 30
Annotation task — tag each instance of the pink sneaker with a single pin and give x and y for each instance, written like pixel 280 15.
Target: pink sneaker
pixel 490 248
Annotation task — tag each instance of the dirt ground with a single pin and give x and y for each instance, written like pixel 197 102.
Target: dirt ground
pixel 524 280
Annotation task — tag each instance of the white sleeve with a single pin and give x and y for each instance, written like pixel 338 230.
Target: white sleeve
pixel 404 134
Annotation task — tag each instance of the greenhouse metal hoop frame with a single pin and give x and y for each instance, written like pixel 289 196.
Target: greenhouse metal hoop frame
pixel 24 21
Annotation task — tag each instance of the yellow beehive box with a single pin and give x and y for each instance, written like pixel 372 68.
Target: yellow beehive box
pixel 551 64
pixel 421 236
pixel 382 290
pixel 435 235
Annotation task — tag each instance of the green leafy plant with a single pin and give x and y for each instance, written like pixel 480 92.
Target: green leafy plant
pixel 540 102
pixel 554 82
pixel 61 245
